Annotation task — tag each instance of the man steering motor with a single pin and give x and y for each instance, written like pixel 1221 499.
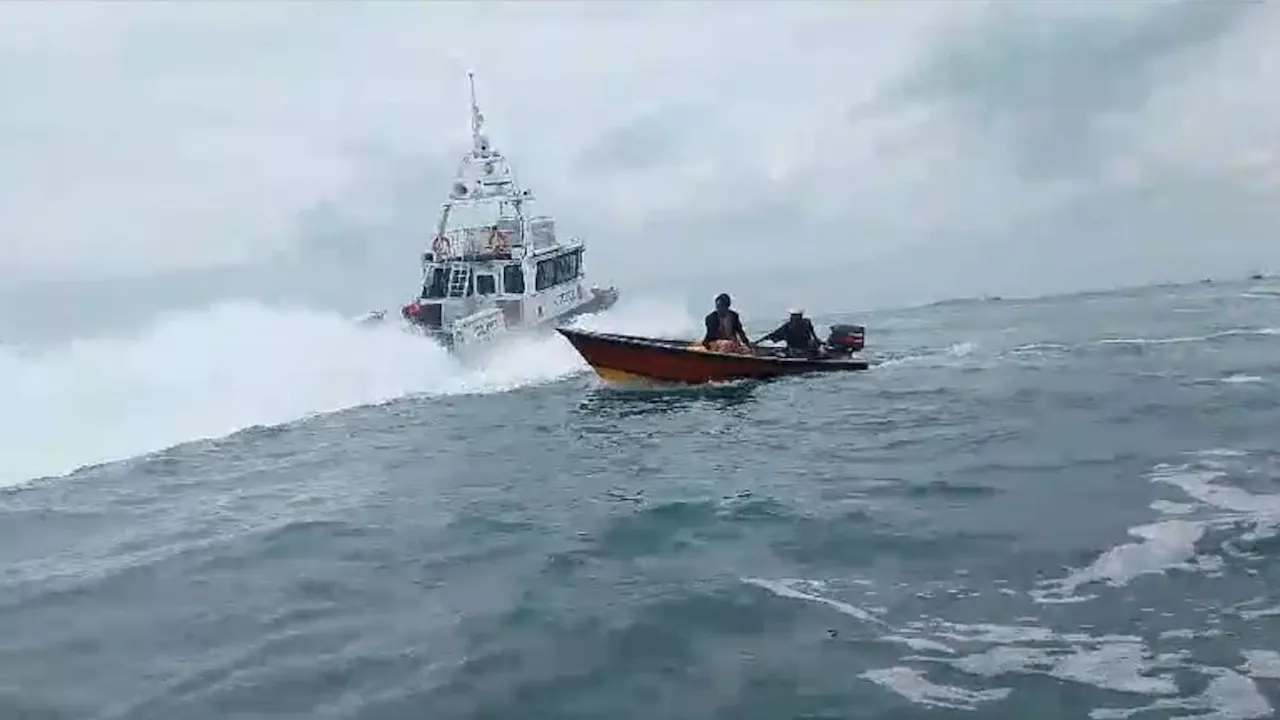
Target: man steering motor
pixel 798 333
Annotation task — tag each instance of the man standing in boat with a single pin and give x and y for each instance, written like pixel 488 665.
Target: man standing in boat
pixel 724 329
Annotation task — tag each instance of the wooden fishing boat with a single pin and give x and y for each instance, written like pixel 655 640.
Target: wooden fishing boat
pixel 630 358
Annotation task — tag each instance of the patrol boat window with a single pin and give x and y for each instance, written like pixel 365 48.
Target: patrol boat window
pixel 560 269
pixel 438 286
pixel 486 284
pixel 513 279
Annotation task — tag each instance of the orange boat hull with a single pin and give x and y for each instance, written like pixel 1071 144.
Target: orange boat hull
pixel 628 358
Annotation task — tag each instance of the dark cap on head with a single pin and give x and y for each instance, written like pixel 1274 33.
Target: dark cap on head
pixel 722 300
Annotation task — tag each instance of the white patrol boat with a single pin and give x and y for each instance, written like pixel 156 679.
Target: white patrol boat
pixel 494 265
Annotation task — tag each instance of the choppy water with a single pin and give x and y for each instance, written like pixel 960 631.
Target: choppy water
pixel 1059 508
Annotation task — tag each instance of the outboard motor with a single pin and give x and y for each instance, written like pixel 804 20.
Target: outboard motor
pixel 846 339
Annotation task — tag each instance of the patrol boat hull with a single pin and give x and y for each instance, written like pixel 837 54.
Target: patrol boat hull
pixel 630 358
pixel 466 334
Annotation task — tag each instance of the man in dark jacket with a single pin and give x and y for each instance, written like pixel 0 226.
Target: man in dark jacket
pixel 724 328
pixel 798 332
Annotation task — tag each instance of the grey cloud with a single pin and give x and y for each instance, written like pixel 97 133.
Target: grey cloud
pixel 646 141
pixel 301 151
pixel 1035 82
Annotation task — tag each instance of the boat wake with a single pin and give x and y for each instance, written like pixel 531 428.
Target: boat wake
pixel 209 373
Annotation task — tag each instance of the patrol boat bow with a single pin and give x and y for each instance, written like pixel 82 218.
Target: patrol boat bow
pixel 494 265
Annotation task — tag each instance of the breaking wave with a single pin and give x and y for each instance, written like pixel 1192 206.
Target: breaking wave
pixel 208 373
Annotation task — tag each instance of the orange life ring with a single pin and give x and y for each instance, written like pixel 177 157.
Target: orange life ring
pixel 440 246
pixel 498 242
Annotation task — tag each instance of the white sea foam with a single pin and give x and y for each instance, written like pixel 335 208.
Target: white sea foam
pixel 988 653
pixel 914 686
pixel 1171 543
pixel 208 373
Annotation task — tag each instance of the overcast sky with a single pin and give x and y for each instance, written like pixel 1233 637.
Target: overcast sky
pixel 1012 144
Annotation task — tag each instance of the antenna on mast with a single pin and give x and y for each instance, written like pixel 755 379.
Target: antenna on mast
pixel 479 142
